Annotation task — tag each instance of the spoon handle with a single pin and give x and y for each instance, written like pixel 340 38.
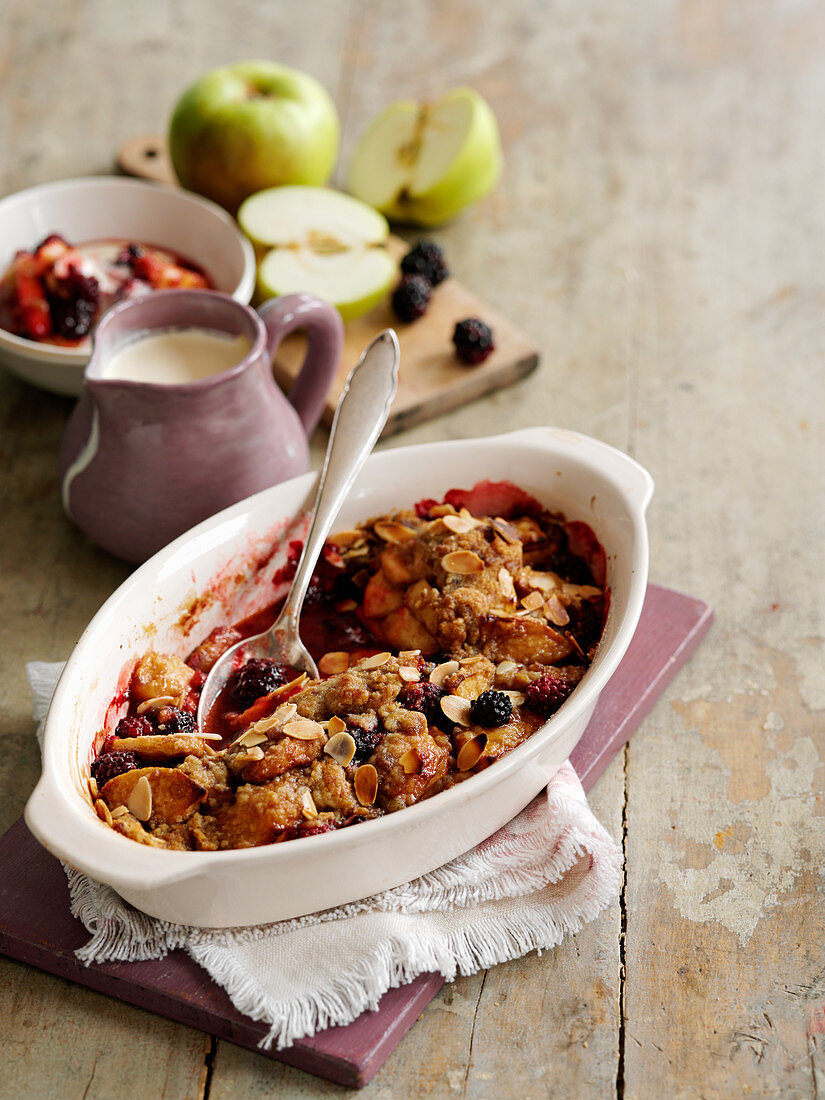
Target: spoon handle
pixel 361 414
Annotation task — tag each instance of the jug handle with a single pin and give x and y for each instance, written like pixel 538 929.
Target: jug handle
pixel 325 342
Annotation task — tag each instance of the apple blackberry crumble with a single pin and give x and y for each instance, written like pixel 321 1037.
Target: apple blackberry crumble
pixel 445 635
pixel 57 293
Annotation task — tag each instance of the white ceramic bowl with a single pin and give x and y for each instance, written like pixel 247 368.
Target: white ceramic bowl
pixel 110 206
pixel 585 479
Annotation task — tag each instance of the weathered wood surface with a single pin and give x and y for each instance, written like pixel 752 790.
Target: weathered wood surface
pixel 659 233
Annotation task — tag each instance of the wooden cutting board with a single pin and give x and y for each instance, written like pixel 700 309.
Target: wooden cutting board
pixel 432 379
pixel 37 928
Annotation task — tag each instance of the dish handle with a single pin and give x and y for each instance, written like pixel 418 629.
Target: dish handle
pixel 67 834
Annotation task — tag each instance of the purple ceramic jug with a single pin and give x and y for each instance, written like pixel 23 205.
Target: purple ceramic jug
pixel 141 462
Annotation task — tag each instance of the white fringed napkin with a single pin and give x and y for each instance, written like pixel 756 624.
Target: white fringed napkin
pixel 543 876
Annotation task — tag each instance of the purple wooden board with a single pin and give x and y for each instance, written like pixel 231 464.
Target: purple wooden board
pixel 37 928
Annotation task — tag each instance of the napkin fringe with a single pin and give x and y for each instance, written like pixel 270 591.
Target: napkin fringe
pixel 120 933
pixel 397 961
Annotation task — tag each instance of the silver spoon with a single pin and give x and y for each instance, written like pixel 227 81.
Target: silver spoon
pixel 361 414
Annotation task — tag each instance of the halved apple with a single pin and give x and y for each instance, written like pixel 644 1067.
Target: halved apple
pixel 424 162
pixel 320 241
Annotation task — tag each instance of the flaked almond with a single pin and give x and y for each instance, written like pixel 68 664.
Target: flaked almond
pixel 342 539
pixel 255 753
pixel 347 605
pixel 93 791
pixel 284 712
pixel 375 661
pixel 139 802
pixel 468 517
pixel 253 736
pixel 503 667
pixel 507 531
pixel 547 582
pixel 472 660
pixel 457 524
pixel 516 697
pixel 156 703
pixel 556 612
pixel 341 747
pixel 505 583
pixel 285 690
pixel 273 721
pixel 308 807
pixel 162 746
pixel 410 762
pixel 408 673
pixel 532 601
pixel 441 510
pixel 333 662
pixel 208 736
pixel 366 784
pixel 118 812
pixel 462 562
pixel 263 726
pixel 393 532
pixel 457 709
pixel 336 725
pixel 103 811
pixel 471 752
pixel 407 655
pixel 304 729
pixel 440 673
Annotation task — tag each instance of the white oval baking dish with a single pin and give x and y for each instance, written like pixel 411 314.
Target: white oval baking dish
pixel 161 606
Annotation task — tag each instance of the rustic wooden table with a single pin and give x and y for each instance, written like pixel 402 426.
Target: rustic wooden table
pixel 659 231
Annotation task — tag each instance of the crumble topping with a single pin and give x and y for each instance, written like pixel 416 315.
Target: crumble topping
pixel 445 635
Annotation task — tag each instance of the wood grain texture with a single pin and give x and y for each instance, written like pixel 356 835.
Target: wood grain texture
pixel 658 233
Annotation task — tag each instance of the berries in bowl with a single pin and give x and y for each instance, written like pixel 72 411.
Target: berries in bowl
pixel 53 292
pixel 56 293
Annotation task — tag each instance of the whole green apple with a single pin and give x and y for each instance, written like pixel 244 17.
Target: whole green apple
pixel 245 127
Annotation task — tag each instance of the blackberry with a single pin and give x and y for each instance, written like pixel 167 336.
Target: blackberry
pixel 365 743
pixel 473 341
pixel 426 259
pixel 129 254
pixel 175 720
pixel 547 694
pixel 491 709
pixel 83 288
pixel 426 697
pixel 73 317
pixel 411 297
pixel 363 729
pixel 134 726
pixel 110 764
pixel 258 677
